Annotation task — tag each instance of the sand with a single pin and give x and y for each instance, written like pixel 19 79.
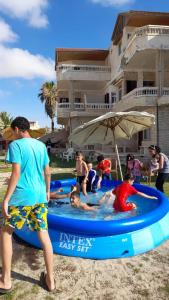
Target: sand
pixel 142 277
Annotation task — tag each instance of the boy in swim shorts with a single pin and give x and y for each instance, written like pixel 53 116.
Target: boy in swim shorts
pixel 122 192
pixel 26 200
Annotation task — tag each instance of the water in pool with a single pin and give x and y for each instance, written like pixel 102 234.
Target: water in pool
pixel 105 212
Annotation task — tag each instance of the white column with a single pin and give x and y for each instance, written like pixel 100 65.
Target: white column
pixel 160 71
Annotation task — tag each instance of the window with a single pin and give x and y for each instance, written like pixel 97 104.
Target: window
pixel 119 48
pixel 77 100
pixel 147 134
pixel 106 98
pixel 64 100
pixel 113 97
pixel 128 35
pixel 90 147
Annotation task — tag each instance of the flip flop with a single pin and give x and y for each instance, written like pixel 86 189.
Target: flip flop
pixel 5 291
pixel 43 282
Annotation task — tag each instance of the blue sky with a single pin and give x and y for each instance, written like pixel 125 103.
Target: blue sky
pixel 30 30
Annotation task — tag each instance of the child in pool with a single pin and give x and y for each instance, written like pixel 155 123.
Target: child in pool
pixel 82 172
pixel 76 202
pixel 91 179
pixel 122 192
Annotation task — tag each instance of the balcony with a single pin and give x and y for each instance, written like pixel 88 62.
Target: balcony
pixel 137 98
pixel 147 37
pixel 164 99
pixel 83 72
pixel 77 109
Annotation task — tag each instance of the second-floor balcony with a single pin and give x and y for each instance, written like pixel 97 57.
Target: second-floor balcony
pixel 147 37
pixel 96 108
pixel 139 97
pixel 83 72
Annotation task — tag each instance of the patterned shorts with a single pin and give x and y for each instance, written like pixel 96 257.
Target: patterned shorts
pixel 34 216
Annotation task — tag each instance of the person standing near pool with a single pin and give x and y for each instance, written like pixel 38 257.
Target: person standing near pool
pixel 103 169
pixel 26 200
pixel 82 171
pixel 163 170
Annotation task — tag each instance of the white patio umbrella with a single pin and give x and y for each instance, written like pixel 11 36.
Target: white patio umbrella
pixel 108 128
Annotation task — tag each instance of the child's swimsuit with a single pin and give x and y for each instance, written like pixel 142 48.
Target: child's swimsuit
pixel 91 182
pixel 122 192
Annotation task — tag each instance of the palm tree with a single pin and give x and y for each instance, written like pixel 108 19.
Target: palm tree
pixel 5 120
pixel 48 96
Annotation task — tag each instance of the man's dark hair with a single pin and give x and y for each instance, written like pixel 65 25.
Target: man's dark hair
pixel 100 158
pixel 78 153
pixel 88 162
pixel 128 177
pixel 154 147
pixel 129 157
pixel 75 193
pixel 20 122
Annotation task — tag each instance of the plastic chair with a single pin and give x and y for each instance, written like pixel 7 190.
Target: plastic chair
pixel 69 154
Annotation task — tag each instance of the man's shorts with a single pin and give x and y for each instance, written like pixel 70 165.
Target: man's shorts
pixel 34 216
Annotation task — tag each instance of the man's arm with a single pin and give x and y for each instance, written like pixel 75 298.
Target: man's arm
pixel 87 207
pixel 47 181
pixel 161 162
pixel 87 171
pixel 11 187
pixel 146 196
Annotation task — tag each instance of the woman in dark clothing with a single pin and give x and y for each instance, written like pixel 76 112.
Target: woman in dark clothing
pixel 163 172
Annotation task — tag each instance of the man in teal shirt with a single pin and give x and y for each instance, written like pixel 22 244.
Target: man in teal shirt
pixel 26 199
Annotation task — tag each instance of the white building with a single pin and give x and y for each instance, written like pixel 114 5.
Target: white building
pixel 34 125
pixel 133 74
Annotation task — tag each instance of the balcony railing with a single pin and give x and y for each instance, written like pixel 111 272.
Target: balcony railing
pixel 84 106
pixel 139 40
pixel 143 91
pixel 152 30
pixel 88 68
pixel 165 91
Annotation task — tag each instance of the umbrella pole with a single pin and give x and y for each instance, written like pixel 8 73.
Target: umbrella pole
pixel 118 160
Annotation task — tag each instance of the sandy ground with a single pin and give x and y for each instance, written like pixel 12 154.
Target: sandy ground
pixel 142 277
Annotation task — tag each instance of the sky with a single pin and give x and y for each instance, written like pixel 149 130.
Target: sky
pixel 30 30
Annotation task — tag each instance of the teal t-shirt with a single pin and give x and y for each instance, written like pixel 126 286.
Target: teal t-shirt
pixel 32 157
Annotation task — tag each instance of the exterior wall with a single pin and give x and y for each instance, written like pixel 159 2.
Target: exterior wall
pixel 164 128
pixel 34 125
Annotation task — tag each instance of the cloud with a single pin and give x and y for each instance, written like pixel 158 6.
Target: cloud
pixel 30 10
pixel 112 2
pixel 20 63
pixel 4 93
pixel 6 33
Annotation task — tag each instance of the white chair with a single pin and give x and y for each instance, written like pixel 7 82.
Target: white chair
pixel 69 154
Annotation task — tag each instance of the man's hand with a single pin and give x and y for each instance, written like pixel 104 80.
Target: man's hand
pixel 5 209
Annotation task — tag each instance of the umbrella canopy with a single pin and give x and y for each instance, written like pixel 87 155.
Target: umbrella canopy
pixel 9 136
pixel 110 127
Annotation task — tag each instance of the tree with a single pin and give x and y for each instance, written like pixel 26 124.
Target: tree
pixel 5 120
pixel 48 96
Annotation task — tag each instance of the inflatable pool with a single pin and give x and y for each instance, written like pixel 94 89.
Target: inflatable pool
pixel 89 237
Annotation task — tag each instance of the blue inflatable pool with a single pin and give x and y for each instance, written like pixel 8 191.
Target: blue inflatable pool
pixel 100 239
